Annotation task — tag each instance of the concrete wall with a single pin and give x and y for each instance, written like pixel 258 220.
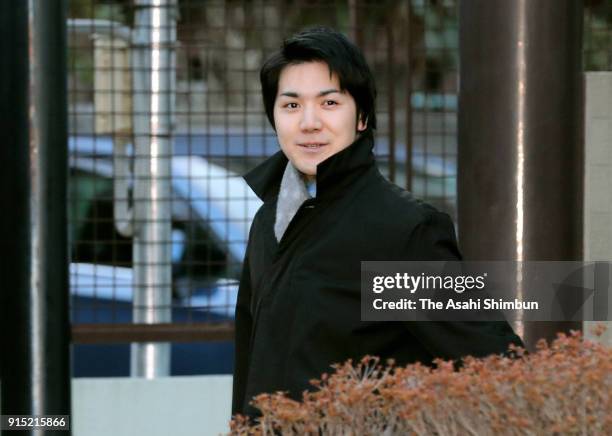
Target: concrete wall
pixel 177 406
pixel 598 175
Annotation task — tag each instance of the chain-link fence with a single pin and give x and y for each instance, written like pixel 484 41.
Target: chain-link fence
pixel 166 115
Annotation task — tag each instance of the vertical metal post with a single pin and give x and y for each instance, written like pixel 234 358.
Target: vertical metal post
pixel 34 317
pixel 355 30
pixel 408 97
pixel 520 135
pixel 153 87
pixel 391 94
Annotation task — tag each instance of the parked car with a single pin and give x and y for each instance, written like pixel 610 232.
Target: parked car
pixel 212 209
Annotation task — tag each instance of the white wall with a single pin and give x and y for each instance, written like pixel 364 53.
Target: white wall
pixel 177 406
pixel 598 175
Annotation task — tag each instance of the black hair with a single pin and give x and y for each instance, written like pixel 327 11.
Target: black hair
pixel 344 59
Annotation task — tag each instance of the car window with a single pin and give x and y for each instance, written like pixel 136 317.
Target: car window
pixel 95 239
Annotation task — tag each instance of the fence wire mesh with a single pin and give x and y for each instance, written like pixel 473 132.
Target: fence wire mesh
pixel 164 120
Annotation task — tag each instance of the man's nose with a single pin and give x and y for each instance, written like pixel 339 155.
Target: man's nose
pixel 310 119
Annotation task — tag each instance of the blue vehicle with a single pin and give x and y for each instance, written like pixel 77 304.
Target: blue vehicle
pixel 212 210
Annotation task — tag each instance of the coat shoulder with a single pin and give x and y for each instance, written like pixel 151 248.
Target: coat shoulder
pixel 398 207
pixel 264 212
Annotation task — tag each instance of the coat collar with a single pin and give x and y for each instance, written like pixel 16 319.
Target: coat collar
pixel 333 174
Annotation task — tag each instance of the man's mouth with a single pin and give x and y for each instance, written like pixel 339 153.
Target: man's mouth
pixel 313 145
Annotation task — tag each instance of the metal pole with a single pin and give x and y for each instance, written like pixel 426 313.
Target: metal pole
pixel 520 135
pixel 355 30
pixel 391 94
pixel 34 317
pixel 408 96
pixel 153 87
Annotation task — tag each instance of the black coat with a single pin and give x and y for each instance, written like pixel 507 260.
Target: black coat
pixel 298 307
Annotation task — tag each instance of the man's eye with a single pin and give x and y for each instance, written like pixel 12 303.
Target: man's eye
pixel 291 105
pixel 330 103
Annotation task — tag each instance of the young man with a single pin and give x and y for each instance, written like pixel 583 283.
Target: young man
pixel 326 208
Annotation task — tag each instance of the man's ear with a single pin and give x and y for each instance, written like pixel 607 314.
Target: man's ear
pixel 362 123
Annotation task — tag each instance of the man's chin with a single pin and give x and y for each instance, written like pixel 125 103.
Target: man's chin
pixel 308 172
pixel 309 167
pixel 309 175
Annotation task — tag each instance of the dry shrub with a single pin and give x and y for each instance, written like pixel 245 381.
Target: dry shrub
pixel 562 388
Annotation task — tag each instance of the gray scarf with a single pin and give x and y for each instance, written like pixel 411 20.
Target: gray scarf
pixel 291 195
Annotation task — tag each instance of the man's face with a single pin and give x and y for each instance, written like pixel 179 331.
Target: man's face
pixel 313 118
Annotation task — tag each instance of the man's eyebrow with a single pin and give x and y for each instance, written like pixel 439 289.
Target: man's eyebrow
pixel 321 94
pixel 328 91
